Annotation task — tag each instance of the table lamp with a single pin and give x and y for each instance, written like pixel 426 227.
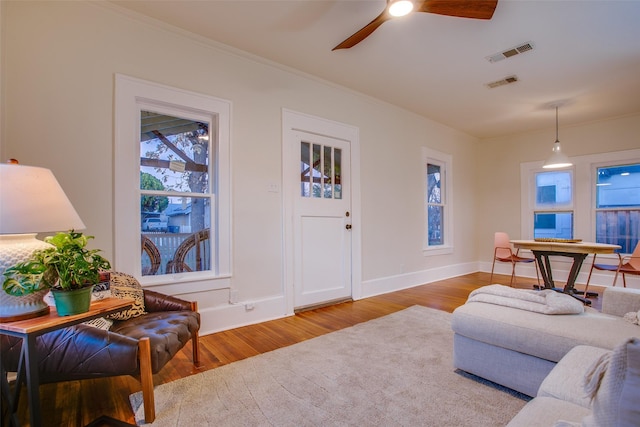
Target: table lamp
pixel 31 202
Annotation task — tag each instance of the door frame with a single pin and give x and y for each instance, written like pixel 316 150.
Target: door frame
pixel 292 123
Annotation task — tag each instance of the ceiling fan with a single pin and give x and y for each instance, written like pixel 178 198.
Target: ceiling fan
pixel 476 9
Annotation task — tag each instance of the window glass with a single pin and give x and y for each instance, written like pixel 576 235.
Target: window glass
pixel 553 189
pixel 320 169
pixel 175 205
pixel 553 195
pixel 618 205
pixel 557 225
pixel 435 205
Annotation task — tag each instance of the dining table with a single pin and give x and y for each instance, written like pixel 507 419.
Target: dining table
pixel 576 249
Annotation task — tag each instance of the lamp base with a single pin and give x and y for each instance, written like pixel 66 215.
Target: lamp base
pixel 21 308
pixel 15 248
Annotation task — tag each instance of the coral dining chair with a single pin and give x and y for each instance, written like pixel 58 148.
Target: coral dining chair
pixel 626 265
pixel 502 252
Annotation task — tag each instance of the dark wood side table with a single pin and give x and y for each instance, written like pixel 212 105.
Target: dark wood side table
pixel 29 330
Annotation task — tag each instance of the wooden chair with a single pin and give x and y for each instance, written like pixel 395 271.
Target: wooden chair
pixel 502 252
pixel 197 242
pixel 626 265
pixel 148 247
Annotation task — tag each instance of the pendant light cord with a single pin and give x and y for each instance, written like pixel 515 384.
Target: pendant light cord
pixel 557 140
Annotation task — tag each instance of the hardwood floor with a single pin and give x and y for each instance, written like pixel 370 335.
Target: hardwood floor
pixel 78 403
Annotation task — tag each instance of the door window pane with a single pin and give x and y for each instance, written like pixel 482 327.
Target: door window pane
pixel 328 172
pixel 320 171
pixel 305 175
pixel 337 155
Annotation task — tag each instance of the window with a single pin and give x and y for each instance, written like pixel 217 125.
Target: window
pixel 172 185
pixel 598 200
pixel 438 203
pixel 175 196
pixel 553 210
pixel 617 205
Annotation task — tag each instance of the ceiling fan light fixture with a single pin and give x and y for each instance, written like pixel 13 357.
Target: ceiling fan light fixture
pixel 557 159
pixel 400 7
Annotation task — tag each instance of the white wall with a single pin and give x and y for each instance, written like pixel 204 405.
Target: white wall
pixel 499 160
pixel 58 66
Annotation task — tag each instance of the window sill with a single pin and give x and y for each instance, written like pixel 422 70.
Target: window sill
pixel 437 250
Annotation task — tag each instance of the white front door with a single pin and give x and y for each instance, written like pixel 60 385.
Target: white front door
pixel 322 220
pixel 320 169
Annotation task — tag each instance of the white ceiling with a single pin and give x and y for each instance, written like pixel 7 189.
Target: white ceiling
pixel 586 56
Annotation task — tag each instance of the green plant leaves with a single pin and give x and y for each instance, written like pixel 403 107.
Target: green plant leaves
pixel 68 263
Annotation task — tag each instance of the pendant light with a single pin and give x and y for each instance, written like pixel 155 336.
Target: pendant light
pixel 557 159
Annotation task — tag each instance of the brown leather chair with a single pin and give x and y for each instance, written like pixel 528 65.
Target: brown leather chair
pixel 139 346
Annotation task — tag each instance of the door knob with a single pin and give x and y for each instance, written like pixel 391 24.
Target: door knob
pixel 348 226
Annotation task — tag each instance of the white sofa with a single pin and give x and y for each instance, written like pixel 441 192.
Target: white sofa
pixel 518 348
pixel 589 387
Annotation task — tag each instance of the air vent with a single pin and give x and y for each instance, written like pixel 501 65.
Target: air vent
pixel 505 81
pixel 525 47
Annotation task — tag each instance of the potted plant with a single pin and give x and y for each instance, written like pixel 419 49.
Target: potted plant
pixel 68 268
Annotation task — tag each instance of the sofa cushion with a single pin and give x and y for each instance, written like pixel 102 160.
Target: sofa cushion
pixel 546 411
pixel 617 399
pixel 539 335
pixel 566 379
pixel 167 331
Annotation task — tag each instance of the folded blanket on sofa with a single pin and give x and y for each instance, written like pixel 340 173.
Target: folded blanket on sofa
pixel 545 301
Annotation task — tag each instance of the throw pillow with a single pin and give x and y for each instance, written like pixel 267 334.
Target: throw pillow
pixel 126 286
pixel 616 399
pixel 100 323
pixel 633 317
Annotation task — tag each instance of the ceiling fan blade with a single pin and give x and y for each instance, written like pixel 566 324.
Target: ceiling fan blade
pixel 476 9
pixel 364 32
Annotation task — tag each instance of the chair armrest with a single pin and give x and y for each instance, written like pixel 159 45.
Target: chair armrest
pixel 156 301
pixel 619 301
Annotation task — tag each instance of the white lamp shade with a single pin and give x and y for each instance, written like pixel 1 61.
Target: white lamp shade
pixel 32 201
pixel 557 159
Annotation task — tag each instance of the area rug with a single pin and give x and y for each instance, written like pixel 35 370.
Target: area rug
pixel 392 371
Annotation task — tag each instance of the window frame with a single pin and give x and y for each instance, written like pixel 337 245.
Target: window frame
pixel 594 197
pixel 445 161
pixel 132 96
pixel 558 208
